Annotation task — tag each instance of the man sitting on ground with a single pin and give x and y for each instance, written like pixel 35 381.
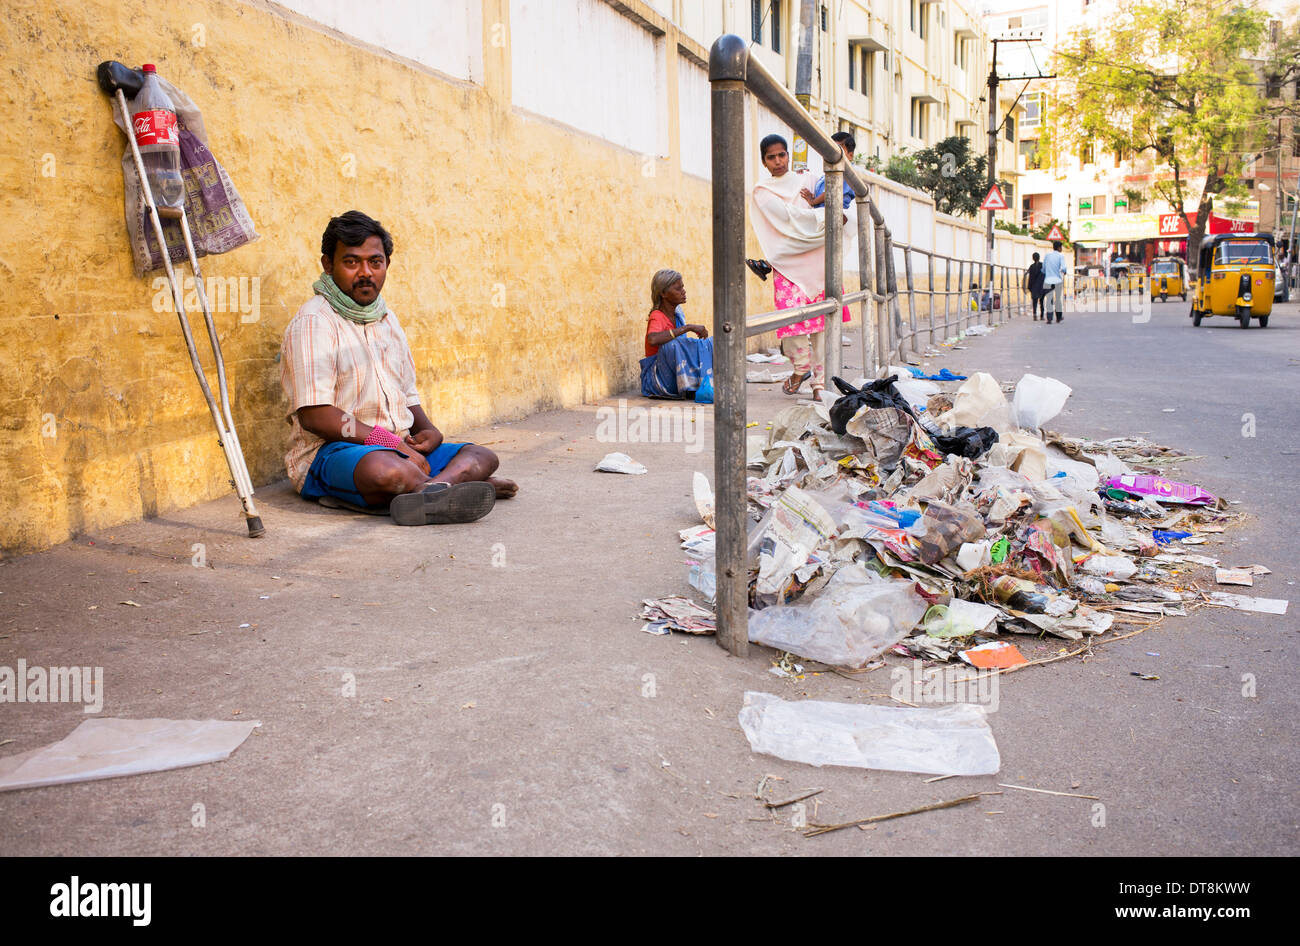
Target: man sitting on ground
pixel 360 438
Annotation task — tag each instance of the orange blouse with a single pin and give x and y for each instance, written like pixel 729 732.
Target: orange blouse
pixel 658 322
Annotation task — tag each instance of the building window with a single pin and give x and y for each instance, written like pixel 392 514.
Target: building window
pixel 825 17
pixel 1099 204
pixel 1033 116
pixel 960 51
pixel 862 68
pixel 770 11
pixel 1272 87
pixel 1011 128
pixel 1085 206
pixel 1009 193
pixel 917 14
pixel 919 117
pixel 1295 143
pixel 1030 152
pixel 1086 155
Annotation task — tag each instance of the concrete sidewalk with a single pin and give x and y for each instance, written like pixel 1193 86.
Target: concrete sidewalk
pixel 507 701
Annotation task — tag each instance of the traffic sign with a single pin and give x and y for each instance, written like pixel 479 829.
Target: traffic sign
pixel 1056 234
pixel 994 200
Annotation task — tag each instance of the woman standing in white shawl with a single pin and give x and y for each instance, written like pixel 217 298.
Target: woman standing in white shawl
pixel 793 237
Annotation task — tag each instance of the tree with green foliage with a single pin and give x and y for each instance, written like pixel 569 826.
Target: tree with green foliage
pixel 951 172
pixel 1173 84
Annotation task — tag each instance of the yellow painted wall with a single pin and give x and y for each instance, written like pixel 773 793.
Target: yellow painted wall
pixel 481 200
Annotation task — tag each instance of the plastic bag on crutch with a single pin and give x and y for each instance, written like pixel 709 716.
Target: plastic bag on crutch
pixel 115 80
pixel 219 221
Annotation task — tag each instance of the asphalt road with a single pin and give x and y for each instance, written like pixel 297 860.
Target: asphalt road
pixel 507 701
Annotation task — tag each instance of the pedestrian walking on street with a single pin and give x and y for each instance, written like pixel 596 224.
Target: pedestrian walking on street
pixel 1054 283
pixel 1034 283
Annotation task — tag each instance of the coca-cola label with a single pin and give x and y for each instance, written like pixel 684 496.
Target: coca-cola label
pixel 156 126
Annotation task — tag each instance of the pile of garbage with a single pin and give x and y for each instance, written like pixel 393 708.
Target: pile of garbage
pixel 926 517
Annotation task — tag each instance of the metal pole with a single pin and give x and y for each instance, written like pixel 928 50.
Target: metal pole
pixel 727 62
pixel 882 301
pixel 929 272
pixel 947 292
pixel 833 207
pixel 891 292
pixel 992 160
pixel 911 298
pixel 865 281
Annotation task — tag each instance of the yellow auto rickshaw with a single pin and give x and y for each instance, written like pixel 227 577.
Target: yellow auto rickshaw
pixel 1125 277
pixel 1234 278
pixel 1168 278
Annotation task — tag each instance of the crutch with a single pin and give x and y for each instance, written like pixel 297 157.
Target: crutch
pixel 116 78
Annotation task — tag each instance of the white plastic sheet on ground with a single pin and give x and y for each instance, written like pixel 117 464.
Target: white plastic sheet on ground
pixel 107 748
pixel 950 740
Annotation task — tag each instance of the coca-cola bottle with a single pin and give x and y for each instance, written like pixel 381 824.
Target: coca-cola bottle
pixel 159 140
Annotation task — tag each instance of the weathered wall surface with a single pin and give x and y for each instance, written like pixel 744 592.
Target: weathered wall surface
pixel 523 255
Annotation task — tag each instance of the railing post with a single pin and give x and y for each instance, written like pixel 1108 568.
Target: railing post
pixel 883 314
pixel 727 63
pixel 865 281
pixel 963 304
pixel 833 206
pixel 947 292
pixel 896 313
pixel 911 298
pixel 929 271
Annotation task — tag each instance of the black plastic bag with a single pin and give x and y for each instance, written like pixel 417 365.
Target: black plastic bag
pixel 969 442
pixel 880 393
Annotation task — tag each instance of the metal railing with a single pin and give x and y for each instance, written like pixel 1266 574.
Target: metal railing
pixel 732 72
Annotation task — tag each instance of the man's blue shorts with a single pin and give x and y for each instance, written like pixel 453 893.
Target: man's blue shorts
pixel 333 471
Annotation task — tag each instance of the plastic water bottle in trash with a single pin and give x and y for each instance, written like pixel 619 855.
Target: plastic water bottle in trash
pixel 153 121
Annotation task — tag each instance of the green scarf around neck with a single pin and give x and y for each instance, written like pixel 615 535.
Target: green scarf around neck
pixel 345 305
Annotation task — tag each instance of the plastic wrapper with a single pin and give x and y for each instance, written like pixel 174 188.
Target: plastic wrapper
pixel 1037 400
pixel 107 748
pixel 979 402
pixel 1161 489
pixel 219 221
pixel 943 529
pixel 876 394
pixel 1110 566
pixel 950 740
pixel 855 618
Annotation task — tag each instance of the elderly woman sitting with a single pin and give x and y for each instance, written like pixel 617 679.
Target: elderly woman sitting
pixel 675 364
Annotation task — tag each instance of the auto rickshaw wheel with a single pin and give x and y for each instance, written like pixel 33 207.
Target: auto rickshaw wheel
pixel 1164 297
pixel 1243 315
pixel 1196 318
pixel 1263 321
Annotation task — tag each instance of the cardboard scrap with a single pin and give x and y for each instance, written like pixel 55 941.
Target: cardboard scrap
pixel 1244 603
pixel 1233 576
pixel 994 655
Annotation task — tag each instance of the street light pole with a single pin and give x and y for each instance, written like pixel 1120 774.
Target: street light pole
pixel 993 159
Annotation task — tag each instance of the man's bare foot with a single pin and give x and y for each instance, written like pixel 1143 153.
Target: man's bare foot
pixel 506 489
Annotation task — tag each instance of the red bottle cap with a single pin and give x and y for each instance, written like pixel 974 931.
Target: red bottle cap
pixel 149 67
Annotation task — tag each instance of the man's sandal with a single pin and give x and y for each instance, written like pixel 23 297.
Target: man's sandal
pixel 442 503
pixel 792 384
